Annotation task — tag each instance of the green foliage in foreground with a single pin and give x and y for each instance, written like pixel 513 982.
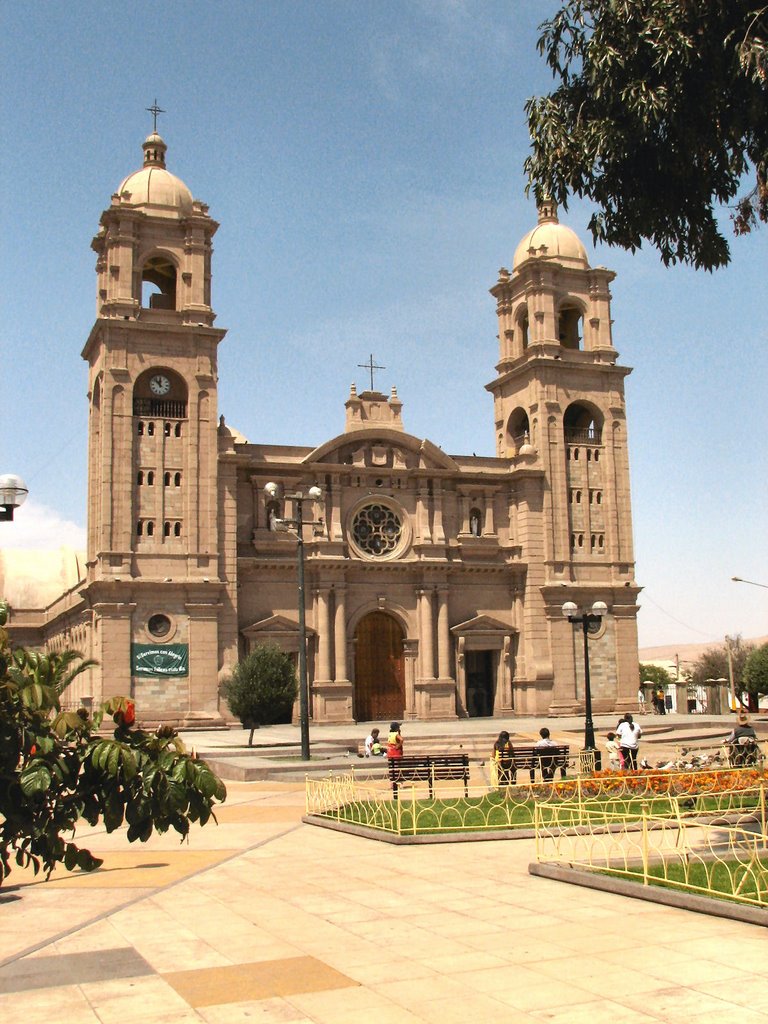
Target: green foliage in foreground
pixel 658 116
pixel 55 768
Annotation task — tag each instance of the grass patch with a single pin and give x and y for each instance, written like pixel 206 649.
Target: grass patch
pixel 507 809
pixel 727 879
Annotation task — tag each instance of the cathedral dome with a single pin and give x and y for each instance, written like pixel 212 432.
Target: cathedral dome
pixel 551 240
pixel 154 186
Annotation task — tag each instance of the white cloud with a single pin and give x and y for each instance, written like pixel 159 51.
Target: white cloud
pixel 38 527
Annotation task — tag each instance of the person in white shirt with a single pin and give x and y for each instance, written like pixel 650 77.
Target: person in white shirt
pixel 373 746
pixel 628 735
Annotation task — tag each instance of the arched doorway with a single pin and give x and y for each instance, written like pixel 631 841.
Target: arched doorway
pixel 379 668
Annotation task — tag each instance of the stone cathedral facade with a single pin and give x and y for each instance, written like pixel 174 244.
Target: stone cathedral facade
pixel 434 582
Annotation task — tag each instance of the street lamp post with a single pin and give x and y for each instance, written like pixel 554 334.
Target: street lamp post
pixel 297 524
pixel 589 617
pixel 13 492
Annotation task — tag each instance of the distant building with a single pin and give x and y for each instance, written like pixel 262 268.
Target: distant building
pixel 434 582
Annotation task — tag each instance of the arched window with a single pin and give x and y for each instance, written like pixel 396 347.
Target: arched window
pixel 140 477
pixel 150 478
pixel 167 429
pixel 167 480
pixel 139 528
pixel 518 428
pixel 140 428
pixel 158 283
pixel 166 529
pixel 177 529
pixel 177 430
pixel 177 480
pixel 521 326
pixel 150 528
pixel 569 327
pixel 151 429
pixel 582 425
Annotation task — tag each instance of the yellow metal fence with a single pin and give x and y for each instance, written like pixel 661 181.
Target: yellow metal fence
pixel 715 845
pixel 578 801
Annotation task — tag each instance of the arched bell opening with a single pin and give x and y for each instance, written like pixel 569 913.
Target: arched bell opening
pixel 518 428
pixel 522 326
pixel 583 424
pixel 570 327
pixel 158 283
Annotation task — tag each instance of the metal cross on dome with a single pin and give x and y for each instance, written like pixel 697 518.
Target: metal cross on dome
pixel 154 110
pixel 370 366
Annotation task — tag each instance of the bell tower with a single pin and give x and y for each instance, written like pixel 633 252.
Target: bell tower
pixel 559 392
pixel 153 552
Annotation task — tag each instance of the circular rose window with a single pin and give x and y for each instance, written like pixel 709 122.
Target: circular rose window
pixel 377 530
pixel 159 625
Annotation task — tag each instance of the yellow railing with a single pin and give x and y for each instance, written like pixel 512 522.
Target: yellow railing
pixel 723 854
pixel 621 797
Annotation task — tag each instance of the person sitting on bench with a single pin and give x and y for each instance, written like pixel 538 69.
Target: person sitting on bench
pixel 547 763
pixel 504 760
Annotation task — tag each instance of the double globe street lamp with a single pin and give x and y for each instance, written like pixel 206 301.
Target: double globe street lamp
pixel 589 619
pixel 296 525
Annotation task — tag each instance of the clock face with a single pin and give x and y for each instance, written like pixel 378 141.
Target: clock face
pixel 159 385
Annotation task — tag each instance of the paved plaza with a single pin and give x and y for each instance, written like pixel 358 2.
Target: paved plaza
pixel 266 919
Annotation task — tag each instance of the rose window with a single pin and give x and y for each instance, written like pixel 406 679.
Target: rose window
pixel 377 530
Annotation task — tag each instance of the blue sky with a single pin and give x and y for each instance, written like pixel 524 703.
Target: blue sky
pixel 365 163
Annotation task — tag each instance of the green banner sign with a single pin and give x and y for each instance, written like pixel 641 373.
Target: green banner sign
pixel 160 659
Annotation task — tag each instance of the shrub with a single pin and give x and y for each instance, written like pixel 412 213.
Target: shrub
pixel 262 688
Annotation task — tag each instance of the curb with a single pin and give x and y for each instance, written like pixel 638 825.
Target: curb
pixel 652 894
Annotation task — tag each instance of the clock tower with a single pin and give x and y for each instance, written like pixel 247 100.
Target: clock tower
pixel 153 579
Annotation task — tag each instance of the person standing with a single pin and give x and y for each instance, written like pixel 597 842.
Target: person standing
pixel 394 741
pixel 628 734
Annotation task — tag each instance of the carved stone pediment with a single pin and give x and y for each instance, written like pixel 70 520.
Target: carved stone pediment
pixel 483 624
pixel 272 627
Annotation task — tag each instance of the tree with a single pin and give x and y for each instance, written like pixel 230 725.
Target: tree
pixel 56 768
pixel 655 674
pixel 755 675
pixel 262 688
pixel 659 117
pixel 713 663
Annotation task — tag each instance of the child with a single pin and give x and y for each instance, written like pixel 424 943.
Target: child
pixel 614 753
pixel 373 746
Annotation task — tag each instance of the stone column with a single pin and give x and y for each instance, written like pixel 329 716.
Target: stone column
pixel 340 634
pixel 443 635
pixel 426 639
pixel 323 635
pixel 490 527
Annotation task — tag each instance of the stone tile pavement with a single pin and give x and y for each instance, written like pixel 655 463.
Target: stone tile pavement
pixel 266 919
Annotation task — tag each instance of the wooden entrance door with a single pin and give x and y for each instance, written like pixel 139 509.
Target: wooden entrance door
pixel 379 669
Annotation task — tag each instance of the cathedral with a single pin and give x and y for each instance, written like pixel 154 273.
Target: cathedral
pixel 434 583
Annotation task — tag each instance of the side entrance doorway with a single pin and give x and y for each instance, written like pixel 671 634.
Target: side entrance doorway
pixel 481 688
pixel 379 669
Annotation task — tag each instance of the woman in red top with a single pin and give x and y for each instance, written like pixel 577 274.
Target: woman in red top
pixel 394 741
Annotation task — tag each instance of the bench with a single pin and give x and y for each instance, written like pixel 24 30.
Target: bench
pixel 545 759
pixel 427 768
